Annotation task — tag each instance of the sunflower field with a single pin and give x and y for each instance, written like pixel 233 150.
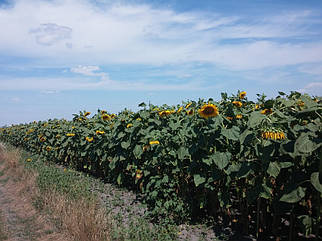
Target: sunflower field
pixel 255 166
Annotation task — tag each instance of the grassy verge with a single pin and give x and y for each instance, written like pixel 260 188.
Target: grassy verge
pixel 3 232
pixel 72 200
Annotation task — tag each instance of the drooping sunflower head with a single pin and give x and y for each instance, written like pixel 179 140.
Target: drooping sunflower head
pixel 180 109
pixel 129 125
pixel 208 110
pixel 239 116
pixel 89 139
pixel 87 113
pixel 99 132
pixel 237 103
pixel 165 113
pixel 190 112
pixel 266 111
pixel 242 94
pixel 106 117
pixel 154 142
pixel 188 105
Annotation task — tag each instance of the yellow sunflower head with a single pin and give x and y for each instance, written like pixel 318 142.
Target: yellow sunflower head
pixel 89 139
pixel 129 125
pixel 154 142
pixel 188 105
pixel 106 117
pixel 190 112
pixel 208 110
pixel 87 113
pixel 180 109
pixel 266 111
pixel 239 116
pixel 242 94
pixel 237 103
pixel 99 132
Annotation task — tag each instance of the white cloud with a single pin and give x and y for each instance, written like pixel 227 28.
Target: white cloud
pixel 90 70
pixel 54 85
pixel 314 88
pixel 51 33
pixel 315 69
pixel 73 32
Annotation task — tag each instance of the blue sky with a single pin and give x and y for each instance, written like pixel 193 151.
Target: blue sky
pixel 58 57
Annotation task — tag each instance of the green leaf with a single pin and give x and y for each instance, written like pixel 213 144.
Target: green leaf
pixel 266 192
pixel 182 152
pixel 255 119
pixel 273 169
pixel 246 137
pixel 142 104
pixel 304 145
pixel 293 196
pixel 286 164
pixel 306 224
pixel 232 133
pixel 221 159
pixel 119 179
pixel 125 145
pixel 316 182
pixel 138 151
pixel 198 179
pixel 207 161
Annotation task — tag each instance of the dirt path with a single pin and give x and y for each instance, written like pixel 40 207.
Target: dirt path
pixel 19 220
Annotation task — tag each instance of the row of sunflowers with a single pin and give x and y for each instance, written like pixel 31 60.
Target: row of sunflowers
pixel 231 158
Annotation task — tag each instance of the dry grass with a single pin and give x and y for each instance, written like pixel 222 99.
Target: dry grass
pixel 82 219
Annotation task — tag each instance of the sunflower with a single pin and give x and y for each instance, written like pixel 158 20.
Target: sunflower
pixel 208 110
pixel 99 132
pixel 276 135
pixel 87 113
pixel 300 103
pixel 229 117
pixel 70 134
pixel 154 142
pixel 239 116
pixel 48 148
pixel 237 103
pixel 180 109
pixel 113 116
pixel 138 174
pixel 242 94
pixel 106 117
pixel 165 113
pixel 190 112
pixel 188 105
pixel 89 139
pixel 103 112
pixel 129 125
pixel 266 111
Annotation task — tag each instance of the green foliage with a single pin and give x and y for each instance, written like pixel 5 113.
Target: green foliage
pixel 181 161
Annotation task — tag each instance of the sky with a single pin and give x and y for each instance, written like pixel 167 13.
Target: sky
pixel 59 57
